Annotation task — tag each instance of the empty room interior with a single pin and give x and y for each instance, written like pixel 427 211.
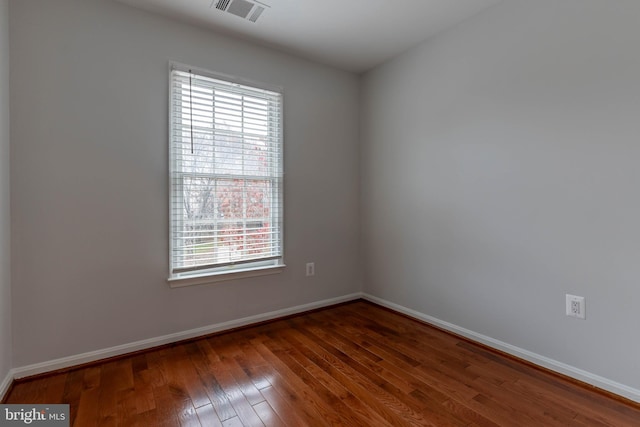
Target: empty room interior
pixel 366 212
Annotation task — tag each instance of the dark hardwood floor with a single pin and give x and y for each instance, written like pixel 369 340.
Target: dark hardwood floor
pixel 351 365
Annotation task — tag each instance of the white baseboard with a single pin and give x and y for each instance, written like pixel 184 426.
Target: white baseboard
pixel 6 383
pixel 554 365
pixel 93 356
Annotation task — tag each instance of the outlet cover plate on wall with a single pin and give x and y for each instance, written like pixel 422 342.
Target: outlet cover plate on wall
pixel 311 269
pixel 575 306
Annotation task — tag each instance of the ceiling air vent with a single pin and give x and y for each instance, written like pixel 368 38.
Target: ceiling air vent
pixel 222 4
pixel 245 9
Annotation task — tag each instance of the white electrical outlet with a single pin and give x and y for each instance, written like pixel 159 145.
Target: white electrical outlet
pixel 311 268
pixel 575 306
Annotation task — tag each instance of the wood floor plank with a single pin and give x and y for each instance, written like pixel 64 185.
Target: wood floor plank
pixel 166 406
pixel 267 414
pixel 321 371
pixel 233 422
pixel 87 409
pixel 364 357
pixel 72 393
pixel 283 407
pixel 127 411
pixel 210 373
pixel 365 379
pixel 240 406
pixel 344 406
pixel 208 417
pixel 294 388
pixel 241 392
pixel 187 415
pixel 54 386
pixel 354 364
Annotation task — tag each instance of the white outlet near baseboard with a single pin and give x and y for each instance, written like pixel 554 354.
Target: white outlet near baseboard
pixel 575 306
pixel 311 269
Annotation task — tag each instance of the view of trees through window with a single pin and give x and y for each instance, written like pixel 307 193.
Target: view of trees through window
pixel 226 176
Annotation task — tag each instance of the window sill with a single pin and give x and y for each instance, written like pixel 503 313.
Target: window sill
pixel 203 279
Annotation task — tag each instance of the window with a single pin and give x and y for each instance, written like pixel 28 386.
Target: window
pixel 226 176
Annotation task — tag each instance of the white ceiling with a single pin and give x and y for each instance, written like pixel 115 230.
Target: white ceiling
pixel 354 35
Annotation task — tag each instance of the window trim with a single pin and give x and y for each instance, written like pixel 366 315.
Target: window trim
pixel 203 278
pixel 231 271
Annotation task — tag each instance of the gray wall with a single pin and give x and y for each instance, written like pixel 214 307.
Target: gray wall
pixel 89 178
pixel 5 223
pixel 500 170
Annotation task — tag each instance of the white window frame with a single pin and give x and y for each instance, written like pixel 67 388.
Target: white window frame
pixel 178 276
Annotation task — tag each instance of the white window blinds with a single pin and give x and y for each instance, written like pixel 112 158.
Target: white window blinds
pixel 226 175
